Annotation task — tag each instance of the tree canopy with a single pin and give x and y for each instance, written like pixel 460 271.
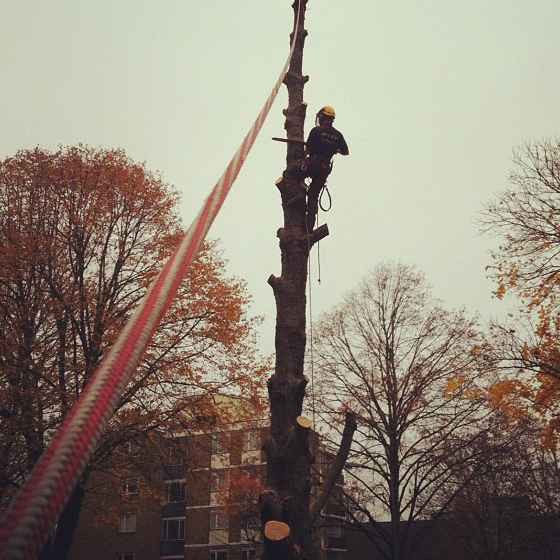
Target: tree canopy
pixel 410 370
pixel 526 218
pixel 83 231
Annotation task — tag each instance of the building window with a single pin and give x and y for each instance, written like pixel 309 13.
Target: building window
pixel 175 492
pixel 219 481
pixel 125 556
pixel 131 448
pixel 220 443
pixel 218 554
pixel 334 531
pixel 173 455
pixel 129 485
pixel 248 554
pixel 127 524
pixel 251 440
pixel 218 519
pixel 173 530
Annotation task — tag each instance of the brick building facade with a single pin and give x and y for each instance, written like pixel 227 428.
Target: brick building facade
pixel 187 500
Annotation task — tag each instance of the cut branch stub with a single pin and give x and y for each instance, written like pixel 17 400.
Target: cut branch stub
pixel 270 506
pixel 318 234
pixel 274 282
pixel 276 531
pixel 278 542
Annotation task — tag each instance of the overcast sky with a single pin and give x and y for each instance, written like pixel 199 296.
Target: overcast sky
pixel 432 96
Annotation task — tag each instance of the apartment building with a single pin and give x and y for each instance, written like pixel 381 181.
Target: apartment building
pixel 192 499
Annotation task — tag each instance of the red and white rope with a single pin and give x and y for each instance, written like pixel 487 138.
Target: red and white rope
pixel 33 514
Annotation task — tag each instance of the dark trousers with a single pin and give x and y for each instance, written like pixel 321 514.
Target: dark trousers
pixel 318 169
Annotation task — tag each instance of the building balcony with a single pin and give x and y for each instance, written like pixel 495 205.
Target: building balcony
pixel 174 472
pixel 173 509
pixel 172 547
pixel 335 542
pixel 334 510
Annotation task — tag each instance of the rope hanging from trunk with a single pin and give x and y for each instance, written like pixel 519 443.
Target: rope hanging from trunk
pixel 311 354
pixel 33 514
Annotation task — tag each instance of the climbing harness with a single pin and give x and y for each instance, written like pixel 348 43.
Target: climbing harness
pixel 312 160
pixel 33 514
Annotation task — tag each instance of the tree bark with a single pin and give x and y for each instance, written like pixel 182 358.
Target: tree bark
pixel 59 546
pixel 289 458
pixel 335 471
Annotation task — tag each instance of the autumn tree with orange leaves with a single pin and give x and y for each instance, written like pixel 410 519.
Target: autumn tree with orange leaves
pixel 526 218
pixel 83 232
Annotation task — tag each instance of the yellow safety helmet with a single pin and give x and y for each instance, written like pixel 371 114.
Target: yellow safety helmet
pixel 327 111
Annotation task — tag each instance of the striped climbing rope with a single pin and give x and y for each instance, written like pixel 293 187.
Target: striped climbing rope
pixel 33 514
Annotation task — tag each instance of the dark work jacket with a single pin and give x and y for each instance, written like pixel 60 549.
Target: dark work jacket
pixel 325 141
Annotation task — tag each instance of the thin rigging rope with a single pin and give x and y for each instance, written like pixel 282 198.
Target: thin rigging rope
pixel 311 355
pixel 34 512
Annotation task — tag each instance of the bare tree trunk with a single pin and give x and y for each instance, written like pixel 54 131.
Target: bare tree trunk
pixel 59 547
pixel 339 462
pixel 287 497
pixel 394 498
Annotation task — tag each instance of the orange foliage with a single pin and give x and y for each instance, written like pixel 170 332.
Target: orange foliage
pixel 83 232
pixel 241 496
pixel 454 384
pixel 534 392
pixel 505 395
pixel 526 264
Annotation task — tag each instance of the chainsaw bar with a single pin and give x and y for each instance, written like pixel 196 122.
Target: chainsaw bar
pixel 288 140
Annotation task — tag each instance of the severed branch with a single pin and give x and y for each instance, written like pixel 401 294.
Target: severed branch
pixel 350 426
pixel 318 234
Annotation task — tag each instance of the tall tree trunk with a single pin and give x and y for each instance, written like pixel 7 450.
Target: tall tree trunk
pixel 285 503
pixel 394 499
pixel 58 547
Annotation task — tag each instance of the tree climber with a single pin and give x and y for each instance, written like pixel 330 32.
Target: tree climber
pixel 323 143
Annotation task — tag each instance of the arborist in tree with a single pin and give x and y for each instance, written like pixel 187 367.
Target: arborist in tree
pixel 323 143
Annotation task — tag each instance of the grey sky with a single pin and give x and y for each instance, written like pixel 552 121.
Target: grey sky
pixel 431 95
